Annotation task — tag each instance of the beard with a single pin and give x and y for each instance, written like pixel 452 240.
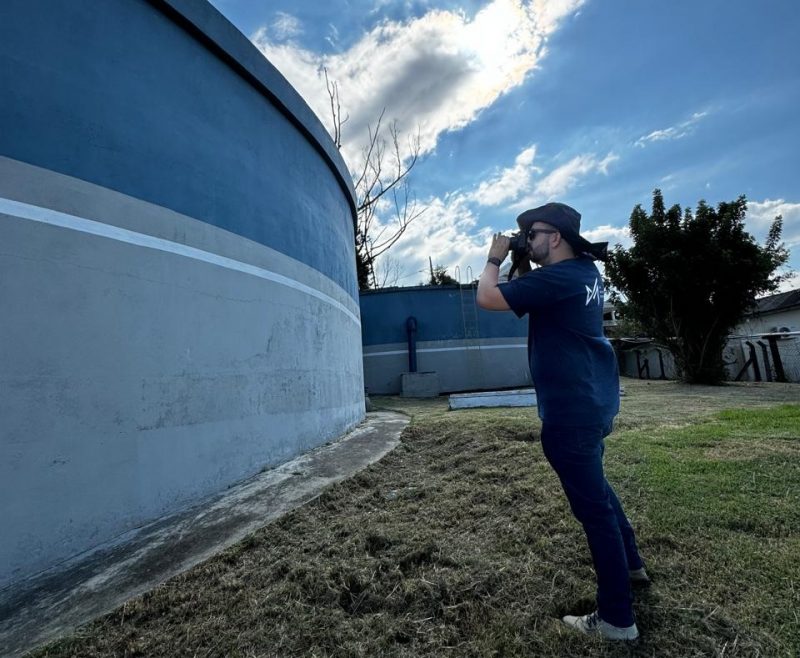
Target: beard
pixel 540 253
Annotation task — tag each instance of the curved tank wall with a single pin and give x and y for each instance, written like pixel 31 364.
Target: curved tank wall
pixel 178 295
pixel 470 349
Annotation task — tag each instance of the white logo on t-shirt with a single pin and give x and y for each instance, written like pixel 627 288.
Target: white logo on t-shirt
pixel 593 293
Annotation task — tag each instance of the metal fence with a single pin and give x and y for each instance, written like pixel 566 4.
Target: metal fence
pixel 773 357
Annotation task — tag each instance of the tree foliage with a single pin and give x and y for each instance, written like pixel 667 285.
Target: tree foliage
pixel 440 277
pixel 689 278
pixel 380 181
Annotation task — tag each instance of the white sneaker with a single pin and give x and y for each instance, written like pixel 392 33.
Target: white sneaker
pixel 593 625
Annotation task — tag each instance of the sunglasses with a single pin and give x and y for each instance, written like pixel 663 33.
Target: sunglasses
pixel 532 232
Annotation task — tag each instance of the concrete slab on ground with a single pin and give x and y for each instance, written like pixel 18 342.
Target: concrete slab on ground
pixel 517 398
pixel 54 603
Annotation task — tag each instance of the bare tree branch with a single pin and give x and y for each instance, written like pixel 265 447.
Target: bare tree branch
pixel 387 272
pixel 384 169
pixel 336 109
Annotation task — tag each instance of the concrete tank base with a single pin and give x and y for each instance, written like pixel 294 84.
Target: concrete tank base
pixel 419 385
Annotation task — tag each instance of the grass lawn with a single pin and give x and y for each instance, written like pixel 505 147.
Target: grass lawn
pixel 461 543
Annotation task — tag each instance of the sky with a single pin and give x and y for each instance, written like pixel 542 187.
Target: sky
pixel 593 103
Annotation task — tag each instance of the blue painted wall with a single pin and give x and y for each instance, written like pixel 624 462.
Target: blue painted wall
pixel 186 106
pixel 176 254
pixel 470 349
pixel 438 310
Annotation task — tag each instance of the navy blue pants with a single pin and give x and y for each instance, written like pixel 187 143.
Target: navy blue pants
pixel 576 455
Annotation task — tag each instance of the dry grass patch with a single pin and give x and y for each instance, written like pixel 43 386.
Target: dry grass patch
pixel 461 543
pixel 738 449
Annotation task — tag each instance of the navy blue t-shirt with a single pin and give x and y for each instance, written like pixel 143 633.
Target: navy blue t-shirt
pixel 573 365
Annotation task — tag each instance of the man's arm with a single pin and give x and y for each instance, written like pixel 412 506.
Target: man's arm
pixel 489 295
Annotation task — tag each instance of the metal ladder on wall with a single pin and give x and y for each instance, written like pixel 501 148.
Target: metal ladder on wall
pixel 469 309
pixel 469 320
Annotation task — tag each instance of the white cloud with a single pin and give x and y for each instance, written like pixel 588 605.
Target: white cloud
pixel 333 38
pixel 301 67
pixel 566 176
pixel 792 283
pixel 602 166
pixel 509 183
pixel 761 213
pixel 563 178
pixel 673 132
pixel 285 26
pixel 519 182
pixel 436 72
pixel 614 235
pixel 447 234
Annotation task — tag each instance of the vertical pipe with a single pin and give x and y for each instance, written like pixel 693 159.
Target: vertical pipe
pixel 411 333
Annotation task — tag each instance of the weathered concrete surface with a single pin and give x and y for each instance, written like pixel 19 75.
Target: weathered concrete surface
pixel 419 385
pixel 53 603
pixel 518 398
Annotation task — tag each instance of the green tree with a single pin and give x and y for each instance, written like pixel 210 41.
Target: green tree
pixel 689 278
pixel 440 277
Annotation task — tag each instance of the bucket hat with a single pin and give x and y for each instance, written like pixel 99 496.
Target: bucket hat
pixel 568 222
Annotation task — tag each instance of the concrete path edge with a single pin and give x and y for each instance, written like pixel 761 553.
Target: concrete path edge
pixel 54 603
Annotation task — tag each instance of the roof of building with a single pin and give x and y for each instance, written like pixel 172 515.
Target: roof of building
pixel 782 301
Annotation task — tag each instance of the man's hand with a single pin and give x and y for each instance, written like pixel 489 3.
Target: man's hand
pixel 488 294
pixel 500 246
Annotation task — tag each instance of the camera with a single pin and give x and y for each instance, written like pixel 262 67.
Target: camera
pixel 518 247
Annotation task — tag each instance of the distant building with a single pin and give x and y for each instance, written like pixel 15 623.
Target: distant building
pixel 765 345
pixel 775 314
pixel 611 316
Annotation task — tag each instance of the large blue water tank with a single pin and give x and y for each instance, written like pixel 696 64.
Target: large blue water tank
pixel 179 300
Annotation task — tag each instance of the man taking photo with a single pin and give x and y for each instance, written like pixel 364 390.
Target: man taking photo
pixel 574 371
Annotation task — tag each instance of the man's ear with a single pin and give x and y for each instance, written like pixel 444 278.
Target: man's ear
pixel 568 249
